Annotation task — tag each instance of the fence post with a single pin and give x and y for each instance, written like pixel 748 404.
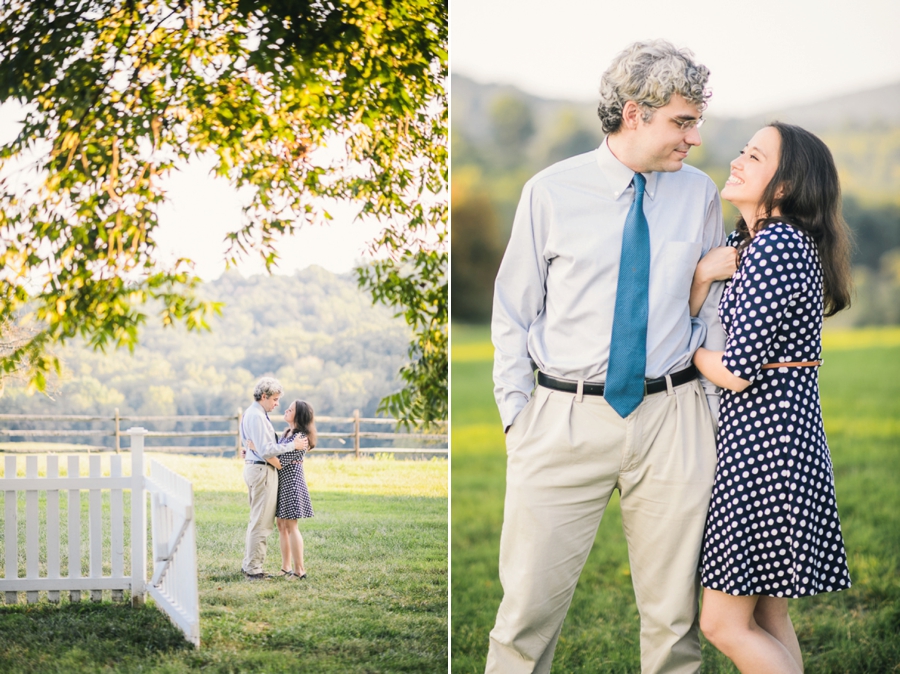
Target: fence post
pixel 237 446
pixel 118 433
pixel 356 432
pixel 138 517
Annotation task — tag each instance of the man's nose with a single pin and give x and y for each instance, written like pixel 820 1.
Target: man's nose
pixel 693 137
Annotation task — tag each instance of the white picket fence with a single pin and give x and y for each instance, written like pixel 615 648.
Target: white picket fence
pixel 173 585
pixel 174 582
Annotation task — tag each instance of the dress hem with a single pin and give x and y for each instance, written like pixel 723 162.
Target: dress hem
pixel 783 594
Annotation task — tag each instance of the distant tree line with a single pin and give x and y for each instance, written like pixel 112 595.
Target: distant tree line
pixel 317 332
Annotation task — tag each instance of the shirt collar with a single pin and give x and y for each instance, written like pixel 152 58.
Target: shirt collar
pixel 618 176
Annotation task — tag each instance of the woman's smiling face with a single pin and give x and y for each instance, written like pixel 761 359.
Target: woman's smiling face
pixel 753 169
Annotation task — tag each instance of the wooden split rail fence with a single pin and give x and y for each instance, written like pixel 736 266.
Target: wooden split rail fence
pixel 355 436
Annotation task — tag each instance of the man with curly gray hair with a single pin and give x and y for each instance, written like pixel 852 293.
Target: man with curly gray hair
pixel 260 472
pixel 593 293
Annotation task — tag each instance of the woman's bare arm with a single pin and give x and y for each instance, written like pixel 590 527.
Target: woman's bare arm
pixel 710 365
pixel 719 264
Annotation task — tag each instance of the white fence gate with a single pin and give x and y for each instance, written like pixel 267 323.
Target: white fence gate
pixel 174 582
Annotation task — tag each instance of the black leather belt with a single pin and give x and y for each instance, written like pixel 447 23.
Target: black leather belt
pixel 255 463
pixel 650 385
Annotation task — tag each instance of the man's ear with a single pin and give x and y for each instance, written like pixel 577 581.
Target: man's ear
pixel 632 115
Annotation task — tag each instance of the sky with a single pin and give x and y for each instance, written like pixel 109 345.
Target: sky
pixel 763 55
pixel 201 210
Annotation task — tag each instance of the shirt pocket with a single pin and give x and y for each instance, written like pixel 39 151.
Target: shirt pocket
pixel 675 267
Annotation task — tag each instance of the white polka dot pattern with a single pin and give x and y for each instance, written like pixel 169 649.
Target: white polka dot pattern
pixel 773 526
pixel 293 495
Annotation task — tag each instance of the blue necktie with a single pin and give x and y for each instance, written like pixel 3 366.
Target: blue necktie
pixel 624 389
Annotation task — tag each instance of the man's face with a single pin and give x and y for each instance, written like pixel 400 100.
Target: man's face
pixel 269 403
pixel 660 144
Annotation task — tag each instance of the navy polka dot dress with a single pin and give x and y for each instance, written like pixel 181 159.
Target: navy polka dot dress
pixel 293 494
pixel 773 526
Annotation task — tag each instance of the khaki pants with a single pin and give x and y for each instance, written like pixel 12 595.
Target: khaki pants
pixel 565 458
pixel 262 483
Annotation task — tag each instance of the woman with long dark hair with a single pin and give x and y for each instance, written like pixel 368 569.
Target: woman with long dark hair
pixel 773 531
pixel 293 494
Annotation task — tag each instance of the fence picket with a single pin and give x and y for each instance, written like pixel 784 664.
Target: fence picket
pixel 117 526
pixel 54 533
pixel 32 529
pixel 11 530
pixel 74 517
pixel 95 522
pixel 138 517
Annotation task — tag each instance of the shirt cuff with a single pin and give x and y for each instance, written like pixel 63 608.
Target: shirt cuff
pixel 511 407
pixel 712 400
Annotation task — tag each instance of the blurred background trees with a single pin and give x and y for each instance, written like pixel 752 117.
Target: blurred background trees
pixel 502 136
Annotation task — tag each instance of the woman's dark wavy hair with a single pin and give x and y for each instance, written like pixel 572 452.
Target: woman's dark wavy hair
pixel 303 418
pixel 806 191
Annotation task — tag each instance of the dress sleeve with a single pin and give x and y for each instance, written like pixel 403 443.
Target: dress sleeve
pixel 734 239
pixel 774 272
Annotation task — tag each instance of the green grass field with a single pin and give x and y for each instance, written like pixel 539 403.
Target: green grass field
pixel 852 632
pixel 375 599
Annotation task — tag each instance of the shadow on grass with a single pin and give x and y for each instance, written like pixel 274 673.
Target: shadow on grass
pixel 75 636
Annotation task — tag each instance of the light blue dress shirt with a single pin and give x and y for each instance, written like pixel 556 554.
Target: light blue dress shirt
pixel 555 292
pixel 255 426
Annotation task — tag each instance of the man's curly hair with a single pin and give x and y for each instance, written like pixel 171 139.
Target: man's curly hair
pixel 649 73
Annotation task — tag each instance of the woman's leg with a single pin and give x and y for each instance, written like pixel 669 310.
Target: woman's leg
pixel 296 543
pixel 299 552
pixel 284 535
pixel 771 614
pixel 729 623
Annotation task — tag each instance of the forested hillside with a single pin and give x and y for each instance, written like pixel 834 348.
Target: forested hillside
pixel 315 331
pixel 502 136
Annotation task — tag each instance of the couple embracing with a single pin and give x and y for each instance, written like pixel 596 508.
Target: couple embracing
pixel 273 472
pixel 676 366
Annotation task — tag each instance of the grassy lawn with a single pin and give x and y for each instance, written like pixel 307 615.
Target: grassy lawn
pixel 375 599
pixel 856 631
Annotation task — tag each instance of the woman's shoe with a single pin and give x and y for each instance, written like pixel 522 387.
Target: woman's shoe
pixel 285 573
